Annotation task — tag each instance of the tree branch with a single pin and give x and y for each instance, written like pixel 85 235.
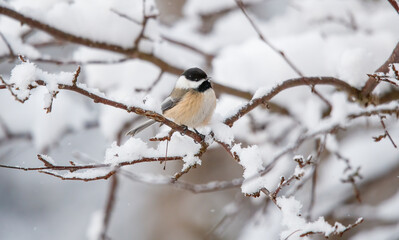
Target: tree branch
pixel 303 81
pixel 73 168
pixel 373 82
pixel 109 206
pixel 387 111
pixel 59 34
pixel 241 5
pixel 394 4
pixel 194 188
pixel 149 114
pixel 11 52
pixel 129 52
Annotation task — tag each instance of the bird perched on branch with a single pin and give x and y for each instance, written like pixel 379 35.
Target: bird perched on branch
pixel 191 103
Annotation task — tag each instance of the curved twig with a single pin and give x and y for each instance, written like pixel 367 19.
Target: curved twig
pixel 149 114
pixel 57 33
pixel 303 81
pixel 395 5
pixel 373 82
pixel 73 168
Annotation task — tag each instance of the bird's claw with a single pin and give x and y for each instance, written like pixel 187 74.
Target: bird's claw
pixel 201 135
pixel 185 128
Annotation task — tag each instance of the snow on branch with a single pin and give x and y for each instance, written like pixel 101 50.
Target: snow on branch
pixel 372 82
pixel 395 5
pixel 27 76
pixel 299 228
pixel 70 37
pixel 265 95
pixel 194 188
pixel 391 77
pixel 50 167
pixel 241 5
pixel 266 156
pixel 23 80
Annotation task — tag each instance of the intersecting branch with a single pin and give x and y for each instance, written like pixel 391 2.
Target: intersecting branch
pixel 395 5
pixel 241 5
pixel 295 82
pixel 59 34
pixel 372 82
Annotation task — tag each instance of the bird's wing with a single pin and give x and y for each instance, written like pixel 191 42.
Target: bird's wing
pixel 168 103
pixel 173 99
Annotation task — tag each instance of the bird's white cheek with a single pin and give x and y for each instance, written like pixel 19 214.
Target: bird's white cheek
pixel 183 83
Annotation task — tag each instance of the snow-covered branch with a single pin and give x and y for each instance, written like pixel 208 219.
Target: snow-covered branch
pixel 262 96
pixel 27 76
pixel 97 72
pixel 372 82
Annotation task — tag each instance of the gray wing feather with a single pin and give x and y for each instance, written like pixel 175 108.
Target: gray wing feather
pixel 141 127
pixel 173 99
pixel 168 103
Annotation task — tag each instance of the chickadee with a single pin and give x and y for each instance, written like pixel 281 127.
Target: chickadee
pixel 191 103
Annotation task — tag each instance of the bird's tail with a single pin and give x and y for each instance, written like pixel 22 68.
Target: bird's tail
pixel 140 128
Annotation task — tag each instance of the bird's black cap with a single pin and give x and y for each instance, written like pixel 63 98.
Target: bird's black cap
pixel 194 74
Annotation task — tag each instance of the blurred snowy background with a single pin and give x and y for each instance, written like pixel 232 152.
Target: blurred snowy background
pixel 130 53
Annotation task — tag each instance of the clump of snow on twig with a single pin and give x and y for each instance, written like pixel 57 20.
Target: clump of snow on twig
pixel 135 149
pixel 190 160
pixel 392 76
pixel 89 22
pixel 222 132
pixel 24 75
pixel 132 149
pixel 251 161
pixel 47 158
pixel 88 174
pixel 179 145
pixel 262 92
pixel 298 227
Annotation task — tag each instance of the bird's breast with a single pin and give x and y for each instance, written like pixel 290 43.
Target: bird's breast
pixel 194 109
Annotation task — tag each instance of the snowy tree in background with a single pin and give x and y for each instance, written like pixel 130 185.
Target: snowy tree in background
pixel 302 145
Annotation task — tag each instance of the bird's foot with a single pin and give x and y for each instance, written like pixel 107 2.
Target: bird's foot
pixel 201 135
pixel 185 128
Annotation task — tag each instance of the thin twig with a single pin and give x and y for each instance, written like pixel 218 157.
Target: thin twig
pixel 125 16
pixel 11 52
pixel 303 81
pixel 143 27
pixel 106 101
pixel 322 145
pixel 91 166
pixel 386 131
pixel 159 77
pixel 241 5
pixel 194 188
pixel 71 62
pixel 8 135
pixel 59 34
pixel 208 57
pixel 394 4
pixel 351 178
pixel 109 206
pixel 336 232
pixel 388 111
pixel 372 82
